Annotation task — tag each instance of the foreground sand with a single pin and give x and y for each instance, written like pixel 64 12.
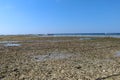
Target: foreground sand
pixel 59 58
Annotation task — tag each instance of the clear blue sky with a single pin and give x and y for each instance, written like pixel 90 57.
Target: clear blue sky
pixel 59 16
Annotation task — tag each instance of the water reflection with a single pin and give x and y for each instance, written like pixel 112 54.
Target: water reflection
pixel 11 44
pixel 86 38
pixel 118 53
pixel 51 56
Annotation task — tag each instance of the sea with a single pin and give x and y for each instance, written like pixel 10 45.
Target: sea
pixel 115 35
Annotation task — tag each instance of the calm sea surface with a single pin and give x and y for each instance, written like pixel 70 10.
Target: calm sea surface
pixel 88 35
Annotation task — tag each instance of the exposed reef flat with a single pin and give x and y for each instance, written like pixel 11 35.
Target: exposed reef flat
pixel 59 58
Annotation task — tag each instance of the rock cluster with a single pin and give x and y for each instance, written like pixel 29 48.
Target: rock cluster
pixel 72 59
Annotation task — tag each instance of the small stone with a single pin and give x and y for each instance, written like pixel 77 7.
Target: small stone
pixel 1 77
pixel 100 66
pixel 15 70
pixel 103 70
pixel 22 77
pixel 62 71
pixel 54 75
pixel 98 79
pixel 78 67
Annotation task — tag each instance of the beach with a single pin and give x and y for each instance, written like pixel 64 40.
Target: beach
pixel 59 58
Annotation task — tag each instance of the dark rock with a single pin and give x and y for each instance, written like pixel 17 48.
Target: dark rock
pixel 1 77
pixel 78 67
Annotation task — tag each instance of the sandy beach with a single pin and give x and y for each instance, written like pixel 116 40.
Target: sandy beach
pixel 59 58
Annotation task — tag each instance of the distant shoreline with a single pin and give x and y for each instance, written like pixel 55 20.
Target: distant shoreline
pixel 68 34
pixel 115 35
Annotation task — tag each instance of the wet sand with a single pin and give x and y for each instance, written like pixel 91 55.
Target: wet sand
pixel 59 58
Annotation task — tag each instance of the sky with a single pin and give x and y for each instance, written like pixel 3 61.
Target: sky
pixel 59 16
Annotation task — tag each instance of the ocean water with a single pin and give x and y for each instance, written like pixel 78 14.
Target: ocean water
pixel 115 35
pixel 51 56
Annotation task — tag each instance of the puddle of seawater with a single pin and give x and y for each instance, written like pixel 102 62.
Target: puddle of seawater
pixel 5 42
pixel 48 41
pixel 11 44
pixel 58 40
pixel 52 56
pixel 86 38
pixel 117 54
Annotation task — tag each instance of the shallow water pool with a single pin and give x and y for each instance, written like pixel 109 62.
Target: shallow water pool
pixel 86 38
pixel 11 44
pixel 52 56
pixel 5 42
pixel 117 54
